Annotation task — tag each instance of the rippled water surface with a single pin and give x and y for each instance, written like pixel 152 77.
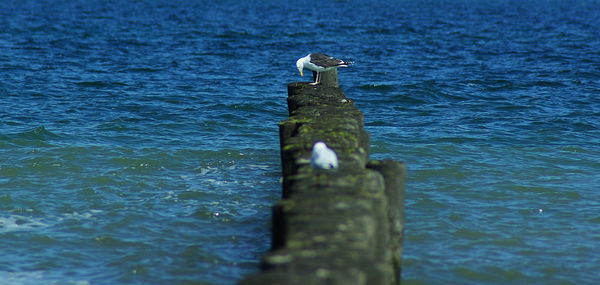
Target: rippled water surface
pixel 139 141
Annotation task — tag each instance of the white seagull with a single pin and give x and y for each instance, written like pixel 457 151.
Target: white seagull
pixel 319 62
pixel 323 157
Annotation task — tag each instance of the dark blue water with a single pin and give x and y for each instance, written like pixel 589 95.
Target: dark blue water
pixel 139 144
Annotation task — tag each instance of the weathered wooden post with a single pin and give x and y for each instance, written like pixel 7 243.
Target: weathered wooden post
pixel 342 226
pixel 328 78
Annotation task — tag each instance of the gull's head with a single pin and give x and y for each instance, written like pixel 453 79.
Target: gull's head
pixel 300 65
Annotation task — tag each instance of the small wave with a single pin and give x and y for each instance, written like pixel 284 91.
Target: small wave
pixel 39 134
pixel 470 234
pixel 143 70
pixel 499 85
pixel 377 87
pixel 93 84
pixel 110 241
pixel 495 274
pixel 377 124
pixel 100 84
pixel 543 83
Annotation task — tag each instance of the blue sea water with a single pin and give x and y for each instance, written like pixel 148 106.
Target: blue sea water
pixel 139 140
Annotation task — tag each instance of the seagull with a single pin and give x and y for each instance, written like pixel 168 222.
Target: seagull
pixel 323 157
pixel 319 62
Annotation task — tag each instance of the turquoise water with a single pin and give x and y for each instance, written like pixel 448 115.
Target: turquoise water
pixel 139 140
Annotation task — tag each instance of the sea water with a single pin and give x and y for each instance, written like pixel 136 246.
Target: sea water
pixel 139 140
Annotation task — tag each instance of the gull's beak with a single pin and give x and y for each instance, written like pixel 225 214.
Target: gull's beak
pixel 301 73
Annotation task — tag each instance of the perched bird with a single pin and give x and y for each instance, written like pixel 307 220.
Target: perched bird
pixel 323 157
pixel 319 62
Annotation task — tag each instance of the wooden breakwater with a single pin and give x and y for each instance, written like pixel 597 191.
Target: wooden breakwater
pixel 342 226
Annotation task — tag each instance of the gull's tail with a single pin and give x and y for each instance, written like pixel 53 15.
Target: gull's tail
pixel 346 63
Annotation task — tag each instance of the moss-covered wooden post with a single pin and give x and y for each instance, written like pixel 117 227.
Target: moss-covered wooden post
pixel 338 227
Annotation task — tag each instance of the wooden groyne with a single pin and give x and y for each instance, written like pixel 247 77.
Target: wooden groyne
pixel 341 226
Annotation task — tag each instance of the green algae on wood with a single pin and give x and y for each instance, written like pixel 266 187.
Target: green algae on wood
pixel 342 226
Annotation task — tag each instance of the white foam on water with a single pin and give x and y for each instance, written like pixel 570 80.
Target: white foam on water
pixel 21 223
pixel 81 216
pixel 34 278
pixel 14 223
